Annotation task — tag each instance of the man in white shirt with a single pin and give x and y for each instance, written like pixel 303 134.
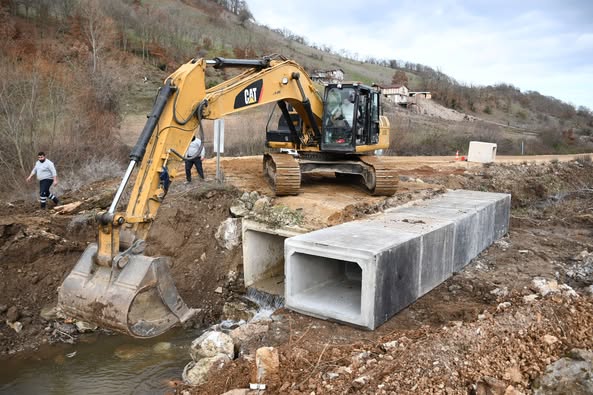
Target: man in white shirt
pixel 194 156
pixel 47 175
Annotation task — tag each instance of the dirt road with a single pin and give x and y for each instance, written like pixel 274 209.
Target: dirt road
pixel 447 342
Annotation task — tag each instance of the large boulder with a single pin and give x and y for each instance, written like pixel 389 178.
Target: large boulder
pixel 210 344
pixel 228 234
pixel 196 372
pixel 247 337
pixel 569 375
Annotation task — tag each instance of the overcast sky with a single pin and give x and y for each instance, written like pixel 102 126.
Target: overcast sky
pixel 538 45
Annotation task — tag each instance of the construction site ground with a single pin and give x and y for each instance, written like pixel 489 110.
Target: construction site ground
pixel 483 325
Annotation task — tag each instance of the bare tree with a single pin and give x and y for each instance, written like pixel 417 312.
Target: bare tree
pixel 18 121
pixel 96 29
pixel 400 78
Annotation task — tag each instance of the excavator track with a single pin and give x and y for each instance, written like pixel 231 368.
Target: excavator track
pixel 283 174
pixel 386 179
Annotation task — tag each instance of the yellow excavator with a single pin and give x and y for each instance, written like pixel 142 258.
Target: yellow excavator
pixel 113 284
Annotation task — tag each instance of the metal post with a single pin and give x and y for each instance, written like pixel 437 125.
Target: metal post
pixel 218 144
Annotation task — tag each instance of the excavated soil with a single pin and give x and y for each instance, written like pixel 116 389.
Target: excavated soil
pixel 475 328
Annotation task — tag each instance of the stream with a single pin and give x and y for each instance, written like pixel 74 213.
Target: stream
pixel 100 364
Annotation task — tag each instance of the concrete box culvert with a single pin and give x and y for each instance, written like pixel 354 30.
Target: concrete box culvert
pixel 263 256
pixel 402 254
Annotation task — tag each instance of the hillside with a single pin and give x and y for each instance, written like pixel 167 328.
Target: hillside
pixel 76 76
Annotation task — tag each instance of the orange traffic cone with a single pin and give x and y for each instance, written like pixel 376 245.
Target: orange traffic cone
pixel 457 155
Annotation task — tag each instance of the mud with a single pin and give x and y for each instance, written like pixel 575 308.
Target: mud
pixel 476 327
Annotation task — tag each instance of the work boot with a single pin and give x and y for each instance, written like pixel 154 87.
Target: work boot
pixel 55 200
pixel 42 205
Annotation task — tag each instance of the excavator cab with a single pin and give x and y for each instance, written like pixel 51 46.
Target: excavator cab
pixel 350 117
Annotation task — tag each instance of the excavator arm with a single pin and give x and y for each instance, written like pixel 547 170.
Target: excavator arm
pixel 113 284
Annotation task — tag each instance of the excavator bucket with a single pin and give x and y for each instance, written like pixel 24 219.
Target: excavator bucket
pixel 140 299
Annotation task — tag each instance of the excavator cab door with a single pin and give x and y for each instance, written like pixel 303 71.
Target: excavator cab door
pixel 339 118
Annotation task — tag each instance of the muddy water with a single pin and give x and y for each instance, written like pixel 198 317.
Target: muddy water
pixel 100 364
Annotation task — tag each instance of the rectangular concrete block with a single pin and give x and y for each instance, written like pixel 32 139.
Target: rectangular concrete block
pixel 364 272
pixel 335 274
pixel 481 152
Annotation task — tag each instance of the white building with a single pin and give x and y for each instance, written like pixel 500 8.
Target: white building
pixel 328 76
pixel 396 94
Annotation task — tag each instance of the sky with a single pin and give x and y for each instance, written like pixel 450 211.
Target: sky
pixel 535 45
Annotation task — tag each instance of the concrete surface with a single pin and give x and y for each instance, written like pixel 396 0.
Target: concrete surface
pixel 364 272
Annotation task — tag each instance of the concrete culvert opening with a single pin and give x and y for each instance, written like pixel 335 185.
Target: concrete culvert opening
pixel 332 287
pixel 263 261
pixel 263 256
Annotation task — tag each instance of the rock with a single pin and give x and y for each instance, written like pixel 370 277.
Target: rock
pixel 246 332
pixel 512 391
pixel 530 298
pixel 501 292
pixel 218 290
pixel 390 345
pixel 239 210
pixel 267 364
pixel 129 351
pixel 569 375
pixel 211 344
pixel 49 313
pixel 238 310
pixel 503 306
pixel 203 257
pixel 513 374
pixel 490 386
pixel 503 244
pixel 12 314
pixel 261 205
pixel 454 287
pixel 228 234
pixel 330 376
pixel 344 370
pixel 238 391
pixel 360 382
pixel 253 196
pixel 245 197
pixel 83 326
pixel 3 308
pixel 546 287
pixel 162 347
pixel 68 329
pixel 549 339
pixel 196 372
pixel 16 326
